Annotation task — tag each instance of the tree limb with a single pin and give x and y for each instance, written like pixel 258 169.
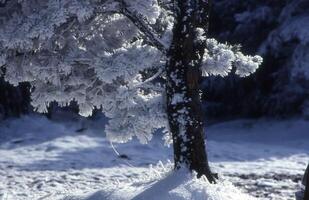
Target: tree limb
pixel 146 30
pixel 122 8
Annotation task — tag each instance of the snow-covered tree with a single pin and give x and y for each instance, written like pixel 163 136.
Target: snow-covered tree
pixel 139 61
pixel 289 41
pixel 277 30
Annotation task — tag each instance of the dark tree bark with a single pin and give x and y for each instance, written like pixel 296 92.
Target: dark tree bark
pixel 182 88
pixel 306 183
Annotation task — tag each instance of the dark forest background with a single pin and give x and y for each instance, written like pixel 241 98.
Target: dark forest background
pixel 277 30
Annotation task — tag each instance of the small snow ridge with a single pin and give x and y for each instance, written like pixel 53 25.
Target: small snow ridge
pixel 182 185
pixel 175 185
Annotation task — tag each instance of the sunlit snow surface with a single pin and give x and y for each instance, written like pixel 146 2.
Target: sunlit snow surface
pixel 40 159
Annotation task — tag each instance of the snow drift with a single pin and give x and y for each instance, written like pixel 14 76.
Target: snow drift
pixel 176 185
pixel 182 185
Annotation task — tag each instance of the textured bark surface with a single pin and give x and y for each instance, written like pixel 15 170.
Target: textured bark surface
pixel 183 78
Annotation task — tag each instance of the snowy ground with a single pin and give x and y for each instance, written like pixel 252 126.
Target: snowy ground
pixel 40 159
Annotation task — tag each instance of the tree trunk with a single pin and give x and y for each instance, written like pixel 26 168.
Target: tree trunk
pixel 306 183
pixel 183 94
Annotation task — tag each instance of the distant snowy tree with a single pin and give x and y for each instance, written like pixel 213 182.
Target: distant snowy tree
pixel 140 61
pixel 277 30
pixel 289 41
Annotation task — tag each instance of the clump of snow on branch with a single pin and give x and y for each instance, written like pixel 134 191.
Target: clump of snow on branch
pixel 219 59
pixel 246 65
pixel 149 9
pixel 127 61
pixel 30 24
pixel 136 115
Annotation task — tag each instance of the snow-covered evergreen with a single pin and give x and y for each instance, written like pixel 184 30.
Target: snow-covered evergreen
pixel 290 41
pixel 108 55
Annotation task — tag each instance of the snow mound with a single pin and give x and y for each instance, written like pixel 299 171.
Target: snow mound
pixel 182 185
pixel 177 185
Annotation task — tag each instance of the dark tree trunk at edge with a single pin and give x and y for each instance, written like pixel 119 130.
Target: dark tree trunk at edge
pixel 182 88
pixel 306 183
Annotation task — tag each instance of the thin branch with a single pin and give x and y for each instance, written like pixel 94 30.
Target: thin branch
pixel 142 26
pixel 120 6
pixel 156 75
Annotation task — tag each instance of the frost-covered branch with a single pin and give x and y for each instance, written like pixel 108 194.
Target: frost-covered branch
pixel 140 21
pixel 142 26
pixel 156 75
pixel 219 59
